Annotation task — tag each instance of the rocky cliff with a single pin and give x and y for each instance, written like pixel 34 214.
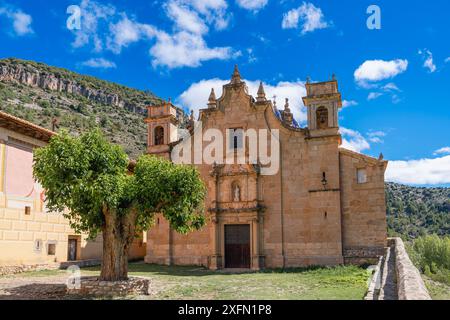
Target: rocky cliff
pixel 55 79
pixel 40 93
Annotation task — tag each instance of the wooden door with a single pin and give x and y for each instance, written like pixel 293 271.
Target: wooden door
pixel 237 246
pixel 72 250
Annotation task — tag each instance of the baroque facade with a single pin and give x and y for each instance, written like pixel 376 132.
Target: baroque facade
pixel 325 205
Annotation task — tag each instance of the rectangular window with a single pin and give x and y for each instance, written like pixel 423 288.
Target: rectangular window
pixel 361 176
pixel 236 138
pixel 37 245
pixel 51 249
pixel 27 211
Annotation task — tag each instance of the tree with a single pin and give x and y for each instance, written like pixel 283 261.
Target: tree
pixel 94 184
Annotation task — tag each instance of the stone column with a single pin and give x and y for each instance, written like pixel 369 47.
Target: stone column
pixel 216 257
pixel 255 244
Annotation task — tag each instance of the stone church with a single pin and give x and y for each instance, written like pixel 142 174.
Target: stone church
pixel 324 206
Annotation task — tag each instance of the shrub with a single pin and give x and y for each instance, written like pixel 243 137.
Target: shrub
pixel 431 254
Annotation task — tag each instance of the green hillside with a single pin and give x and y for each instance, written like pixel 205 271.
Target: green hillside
pixel 40 93
pixel 416 211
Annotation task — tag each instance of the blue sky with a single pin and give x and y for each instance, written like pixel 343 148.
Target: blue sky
pixel 395 81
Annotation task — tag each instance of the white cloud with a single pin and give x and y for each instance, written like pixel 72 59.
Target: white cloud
pixel 420 172
pixel 252 5
pixel 444 150
pixel 376 136
pixel 377 70
pixel 213 11
pixel 307 17
pixel 390 87
pixel 196 96
pixel 126 31
pixel 93 16
pixel 353 140
pixel 185 49
pixel 427 55
pixel 100 63
pixel 349 103
pixel 185 19
pixel 106 29
pixel 374 95
pixel 447 60
pixel 21 22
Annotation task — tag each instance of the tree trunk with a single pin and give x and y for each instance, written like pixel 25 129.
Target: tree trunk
pixel 118 235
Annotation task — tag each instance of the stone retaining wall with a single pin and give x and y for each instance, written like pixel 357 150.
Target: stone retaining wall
pixel 409 281
pixel 92 286
pixel 10 270
pixel 15 269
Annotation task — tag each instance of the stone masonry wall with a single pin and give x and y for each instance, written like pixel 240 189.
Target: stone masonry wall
pixel 409 282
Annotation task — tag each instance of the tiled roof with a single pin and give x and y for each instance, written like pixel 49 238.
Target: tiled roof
pixel 25 127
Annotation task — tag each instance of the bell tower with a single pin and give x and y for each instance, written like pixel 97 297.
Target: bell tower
pixel 162 124
pixel 323 101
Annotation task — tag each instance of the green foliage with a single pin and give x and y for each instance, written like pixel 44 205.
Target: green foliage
pixel 413 212
pixel 431 254
pixel 176 191
pixel 44 104
pixel 87 174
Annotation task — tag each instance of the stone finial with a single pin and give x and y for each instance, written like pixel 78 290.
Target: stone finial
pixel 212 99
pixel 261 93
pixel 308 79
pixel 287 115
pixel 192 115
pixel 380 157
pixel 236 77
pixel 333 77
pixel 286 106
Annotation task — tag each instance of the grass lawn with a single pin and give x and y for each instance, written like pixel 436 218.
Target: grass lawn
pixel 437 290
pixel 177 283
pixel 347 283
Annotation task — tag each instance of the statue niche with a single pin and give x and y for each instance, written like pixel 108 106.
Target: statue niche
pixel 235 192
pixel 322 118
pixel 159 136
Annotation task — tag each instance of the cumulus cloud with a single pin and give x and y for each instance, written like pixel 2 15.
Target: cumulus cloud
pixel 93 15
pixel 100 63
pixel 307 17
pixel 185 49
pixel 185 18
pixel 252 5
pixel 353 140
pixel 444 150
pixel 105 28
pixel 21 22
pixel 196 96
pixel 428 63
pixel 420 172
pixel 127 31
pixel 377 70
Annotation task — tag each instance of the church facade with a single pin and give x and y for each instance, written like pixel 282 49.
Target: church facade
pixel 324 205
